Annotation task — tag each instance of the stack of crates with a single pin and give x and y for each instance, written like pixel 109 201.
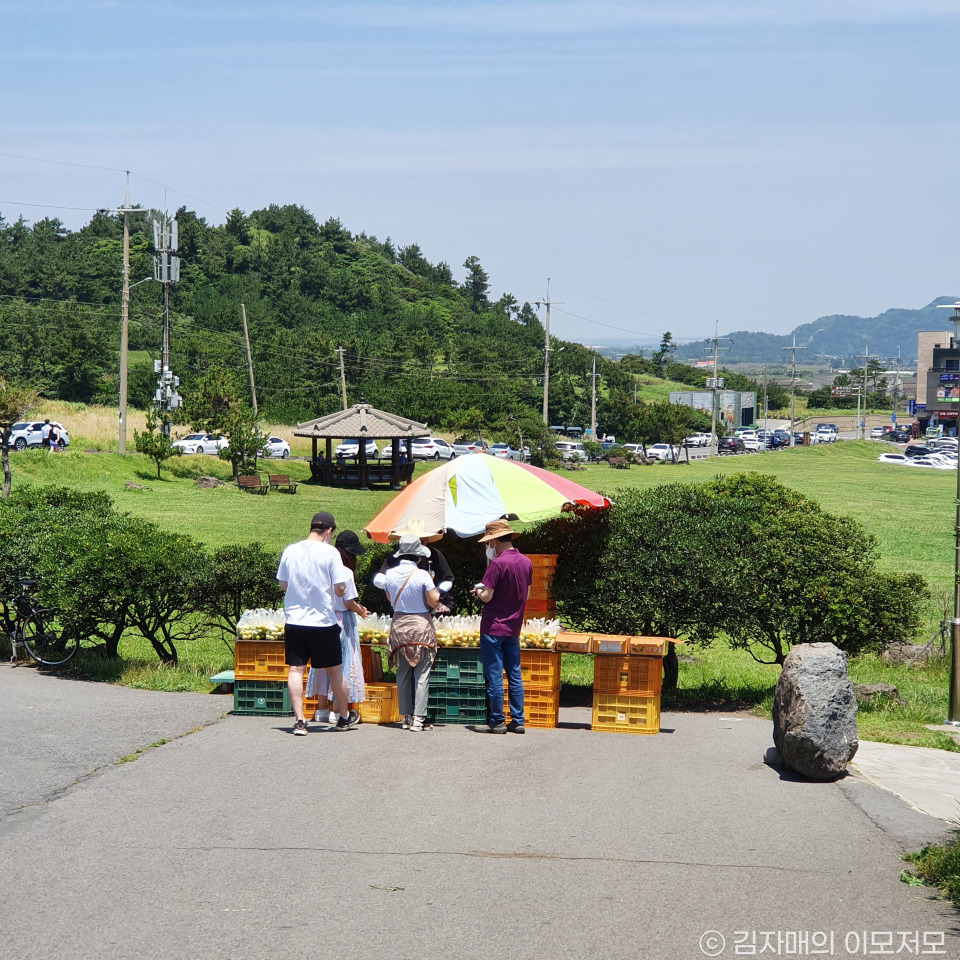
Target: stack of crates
pixel 457 692
pixel 260 680
pixel 541 602
pixel 626 693
pixel 260 683
pixel 540 670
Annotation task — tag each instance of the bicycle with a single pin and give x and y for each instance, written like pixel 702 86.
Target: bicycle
pixel 40 630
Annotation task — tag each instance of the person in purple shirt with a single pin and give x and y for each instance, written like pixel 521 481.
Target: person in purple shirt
pixel 503 591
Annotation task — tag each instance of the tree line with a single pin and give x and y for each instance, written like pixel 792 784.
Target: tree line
pixel 416 340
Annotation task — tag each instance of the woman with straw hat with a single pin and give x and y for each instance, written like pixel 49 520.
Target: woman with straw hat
pixel 413 642
pixel 435 563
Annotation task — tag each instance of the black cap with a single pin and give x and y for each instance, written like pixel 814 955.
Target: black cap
pixel 349 542
pixel 323 521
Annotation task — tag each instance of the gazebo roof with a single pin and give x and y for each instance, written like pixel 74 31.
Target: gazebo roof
pixel 363 422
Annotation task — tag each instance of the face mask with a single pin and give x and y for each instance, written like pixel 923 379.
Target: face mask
pixel 491 553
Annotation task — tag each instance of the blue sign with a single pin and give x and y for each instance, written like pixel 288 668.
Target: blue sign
pixel 893 418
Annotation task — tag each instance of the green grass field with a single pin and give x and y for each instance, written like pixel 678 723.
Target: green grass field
pixel 911 512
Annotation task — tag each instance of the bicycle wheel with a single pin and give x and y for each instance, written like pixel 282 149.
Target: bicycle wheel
pixel 46 639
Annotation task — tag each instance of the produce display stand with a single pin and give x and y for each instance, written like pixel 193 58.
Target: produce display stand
pixel 626 684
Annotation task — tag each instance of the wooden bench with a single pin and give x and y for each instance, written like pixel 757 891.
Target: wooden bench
pixel 254 484
pixel 281 481
pixel 621 463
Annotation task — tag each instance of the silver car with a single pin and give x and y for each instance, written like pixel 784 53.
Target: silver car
pixel 201 443
pixel 505 452
pixel 30 434
pixel 571 450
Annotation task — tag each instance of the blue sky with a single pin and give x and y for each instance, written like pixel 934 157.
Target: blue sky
pixel 681 165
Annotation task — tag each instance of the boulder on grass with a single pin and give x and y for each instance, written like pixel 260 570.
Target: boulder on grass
pixel 815 712
pixel 866 692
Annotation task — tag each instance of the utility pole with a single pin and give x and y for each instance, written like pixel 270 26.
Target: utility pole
pixel 546 354
pixel 896 390
pixel 953 717
pixel 246 340
pixel 766 436
pixel 124 319
pixel 862 423
pixel 793 385
pixel 714 384
pixel 166 270
pixel 343 378
pixel 593 403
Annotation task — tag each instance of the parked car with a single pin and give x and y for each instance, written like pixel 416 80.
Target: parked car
pixel 469 446
pixel 931 463
pixel 826 433
pixel 431 448
pixel 635 448
pixel 697 440
pixel 895 436
pixel 730 445
pixel 28 434
pixel 783 436
pixel 350 450
pixel 918 450
pixel 276 447
pixel 827 426
pixel 663 451
pixel 505 452
pixel 201 443
pixel 893 458
pixel 740 431
pixel 943 443
pixel 752 444
pixel 570 450
pixel 876 433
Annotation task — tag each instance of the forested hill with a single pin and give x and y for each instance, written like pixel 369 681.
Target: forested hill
pixel 835 336
pixel 416 340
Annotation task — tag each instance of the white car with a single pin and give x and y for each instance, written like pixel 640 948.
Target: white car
pixel 635 448
pixel 201 443
pixel 751 444
pixel 276 447
pixel 28 434
pixel 696 440
pixel 893 458
pixel 350 450
pixel 746 433
pixel 943 445
pixel 663 451
pixel 431 448
pixel 571 450
pixel 472 446
pixel 876 433
pixel 825 435
pixel 931 463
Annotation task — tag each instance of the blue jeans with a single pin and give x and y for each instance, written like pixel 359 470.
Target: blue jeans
pixel 499 654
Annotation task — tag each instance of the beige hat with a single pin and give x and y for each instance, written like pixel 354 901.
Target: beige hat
pixel 496 529
pixel 410 546
pixel 415 527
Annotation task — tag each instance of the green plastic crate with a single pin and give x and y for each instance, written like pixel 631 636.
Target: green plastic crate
pixel 261 698
pixel 453 703
pixel 458 665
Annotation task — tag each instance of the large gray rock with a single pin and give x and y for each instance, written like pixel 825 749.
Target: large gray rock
pixel 815 712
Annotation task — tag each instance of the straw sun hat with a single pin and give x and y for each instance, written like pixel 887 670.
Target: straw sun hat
pixel 415 527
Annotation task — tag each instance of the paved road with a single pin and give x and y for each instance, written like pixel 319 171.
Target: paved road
pixel 241 841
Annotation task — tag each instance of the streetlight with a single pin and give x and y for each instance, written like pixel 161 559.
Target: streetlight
pixel 954 712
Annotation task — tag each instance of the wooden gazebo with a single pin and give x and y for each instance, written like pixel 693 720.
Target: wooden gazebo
pixel 361 422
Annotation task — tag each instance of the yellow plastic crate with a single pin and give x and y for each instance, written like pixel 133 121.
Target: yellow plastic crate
pixel 625 714
pixel 541 707
pixel 539 669
pixel 259 660
pixel 380 705
pixel 627 676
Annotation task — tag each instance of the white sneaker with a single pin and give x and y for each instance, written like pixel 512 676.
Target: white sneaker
pixel 334 717
pixel 405 724
pixel 418 725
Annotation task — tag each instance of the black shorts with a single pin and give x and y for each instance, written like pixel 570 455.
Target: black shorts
pixel 318 646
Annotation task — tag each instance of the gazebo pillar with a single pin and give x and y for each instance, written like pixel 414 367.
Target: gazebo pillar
pixel 362 454
pixel 395 463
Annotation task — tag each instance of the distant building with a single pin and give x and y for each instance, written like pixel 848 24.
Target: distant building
pixel 734 408
pixel 927 341
pixel 939 384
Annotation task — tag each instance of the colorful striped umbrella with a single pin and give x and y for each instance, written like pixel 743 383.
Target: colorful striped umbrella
pixel 466 493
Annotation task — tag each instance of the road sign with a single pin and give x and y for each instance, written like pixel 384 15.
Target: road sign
pixel 841 391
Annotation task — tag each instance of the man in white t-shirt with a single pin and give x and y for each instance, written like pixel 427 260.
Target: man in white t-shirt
pixel 311 574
